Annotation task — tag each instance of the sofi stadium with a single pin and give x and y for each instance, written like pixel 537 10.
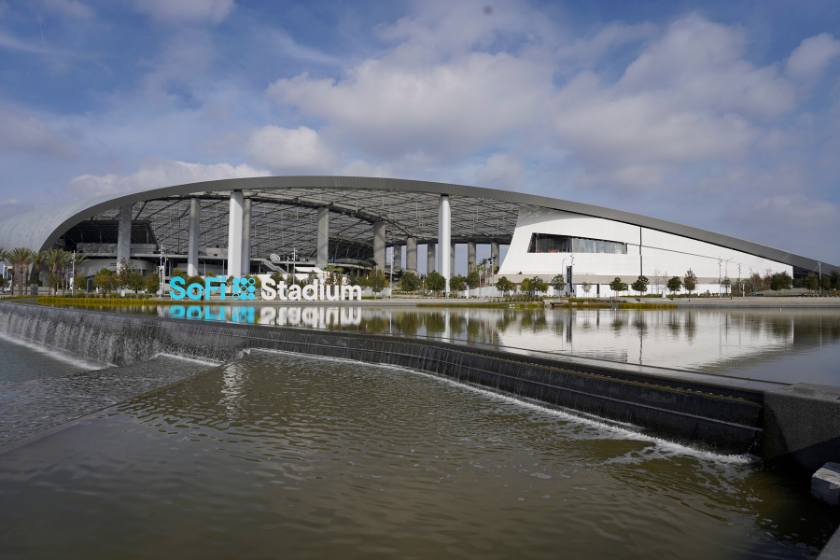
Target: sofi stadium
pixel 273 224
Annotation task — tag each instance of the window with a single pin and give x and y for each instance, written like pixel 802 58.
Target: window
pixel 547 243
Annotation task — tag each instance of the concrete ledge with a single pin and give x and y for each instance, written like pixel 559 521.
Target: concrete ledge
pixel 825 484
pixel 831 550
pixel 802 425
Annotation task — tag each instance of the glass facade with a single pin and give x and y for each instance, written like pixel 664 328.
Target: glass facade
pixel 547 243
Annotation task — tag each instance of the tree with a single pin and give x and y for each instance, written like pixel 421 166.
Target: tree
pixel 674 284
pixel 690 281
pixel 835 280
pixel 458 283
pixel 435 282
pixel 617 286
pixel 64 263
pixel 558 282
pixel 39 259
pixel 504 285
pixel 537 285
pixel 641 284
pixel 152 283
pixel 726 283
pixel 123 274
pixel 178 273
pixel 409 282
pixel 812 282
pixel 136 281
pixel 19 258
pixel 53 262
pixel 755 282
pixel 473 279
pixel 780 281
pixel 105 280
pixel 586 287
pixel 377 281
pixel 80 282
pixel 825 283
pixel 525 285
pixel 659 280
pixel 277 278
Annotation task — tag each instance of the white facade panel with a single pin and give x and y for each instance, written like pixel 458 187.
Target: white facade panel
pixel 667 254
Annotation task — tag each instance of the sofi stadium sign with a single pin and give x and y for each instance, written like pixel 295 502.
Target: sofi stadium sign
pixel 245 289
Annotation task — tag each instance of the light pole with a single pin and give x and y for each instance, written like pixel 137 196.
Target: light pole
pixel 819 277
pixel 492 271
pixel 73 279
pixel 391 283
pixel 719 289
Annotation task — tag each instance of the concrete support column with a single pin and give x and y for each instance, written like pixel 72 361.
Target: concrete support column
pixel 323 254
pixel 471 256
pixel 379 245
pixel 445 238
pixel 195 230
pixel 234 256
pixel 246 238
pixel 397 258
pixel 430 258
pixel 124 235
pixel 411 255
pixel 494 252
pixel 452 261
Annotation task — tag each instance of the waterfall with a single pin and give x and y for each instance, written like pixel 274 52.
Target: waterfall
pixel 726 417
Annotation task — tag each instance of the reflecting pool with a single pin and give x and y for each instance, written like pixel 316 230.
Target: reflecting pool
pixel 787 346
pixel 279 455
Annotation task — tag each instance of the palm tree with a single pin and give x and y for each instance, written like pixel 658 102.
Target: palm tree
pixel 20 257
pixel 66 259
pixel 53 261
pixel 76 260
pixel 39 259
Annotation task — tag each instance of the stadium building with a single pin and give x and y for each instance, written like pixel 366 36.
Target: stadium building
pixel 263 225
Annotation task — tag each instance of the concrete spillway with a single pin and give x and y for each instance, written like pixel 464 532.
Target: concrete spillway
pixel 730 416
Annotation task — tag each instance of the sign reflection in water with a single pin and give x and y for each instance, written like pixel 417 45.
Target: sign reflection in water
pixel 313 317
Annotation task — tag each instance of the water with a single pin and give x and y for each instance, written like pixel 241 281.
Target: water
pixel 23 360
pixel 280 455
pixel 786 346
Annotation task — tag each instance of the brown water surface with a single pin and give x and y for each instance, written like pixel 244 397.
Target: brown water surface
pixel 283 456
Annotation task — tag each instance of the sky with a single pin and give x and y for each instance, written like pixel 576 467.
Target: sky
pixel 719 115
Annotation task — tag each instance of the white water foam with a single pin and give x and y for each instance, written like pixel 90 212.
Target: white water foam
pixel 54 352
pixel 662 447
pixel 204 362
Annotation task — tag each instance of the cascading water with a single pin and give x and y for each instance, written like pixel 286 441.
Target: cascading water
pixel 728 418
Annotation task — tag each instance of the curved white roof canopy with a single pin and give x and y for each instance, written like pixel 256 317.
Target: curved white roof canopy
pixel 409 207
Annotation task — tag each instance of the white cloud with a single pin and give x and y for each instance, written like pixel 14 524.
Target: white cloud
pixel 156 173
pixel 71 8
pixel 186 11
pixel 448 109
pixel 812 56
pixel 500 171
pixel 798 211
pixel 361 168
pixel 28 134
pixel 291 150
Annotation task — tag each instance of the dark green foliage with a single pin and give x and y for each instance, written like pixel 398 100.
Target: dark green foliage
pixel 435 282
pixel 641 284
pixel 674 284
pixel 409 282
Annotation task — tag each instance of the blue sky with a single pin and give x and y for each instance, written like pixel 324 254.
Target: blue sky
pixel 721 115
